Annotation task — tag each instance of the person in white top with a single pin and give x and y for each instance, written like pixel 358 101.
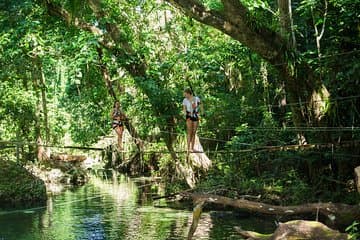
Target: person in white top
pixel 191 106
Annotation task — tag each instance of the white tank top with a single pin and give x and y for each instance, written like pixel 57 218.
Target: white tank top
pixel 192 106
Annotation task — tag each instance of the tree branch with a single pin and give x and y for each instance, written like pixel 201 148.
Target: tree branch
pixel 58 11
pixel 323 25
pixel 236 21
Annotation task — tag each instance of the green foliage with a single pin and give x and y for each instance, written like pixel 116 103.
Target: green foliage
pixel 354 230
pixel 241 93
pixel 214 4
pixel 18 187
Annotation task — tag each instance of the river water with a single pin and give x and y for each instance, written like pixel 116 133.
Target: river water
pixel 115 209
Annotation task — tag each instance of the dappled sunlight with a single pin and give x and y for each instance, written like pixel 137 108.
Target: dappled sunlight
pixel 121 190
pixel 319 102
pixel 204 227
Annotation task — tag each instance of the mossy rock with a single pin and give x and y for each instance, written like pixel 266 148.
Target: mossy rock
pixel 18 187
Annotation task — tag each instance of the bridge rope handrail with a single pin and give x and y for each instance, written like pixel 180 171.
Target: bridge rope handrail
pixel 259 148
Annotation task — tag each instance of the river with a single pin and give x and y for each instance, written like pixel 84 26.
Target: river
pixel 115 209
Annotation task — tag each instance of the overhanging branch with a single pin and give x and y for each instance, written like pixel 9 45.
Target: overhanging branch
pixel 236 21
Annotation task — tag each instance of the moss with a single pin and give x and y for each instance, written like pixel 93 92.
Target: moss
pixel 18 187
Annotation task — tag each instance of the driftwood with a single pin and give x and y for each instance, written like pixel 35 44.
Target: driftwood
pixel 298 229
pixel 337 213
pixel 196 217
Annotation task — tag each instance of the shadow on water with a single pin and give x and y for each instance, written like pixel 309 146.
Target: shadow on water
pixel 114 207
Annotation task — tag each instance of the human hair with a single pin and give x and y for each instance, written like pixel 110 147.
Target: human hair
pixel 116 101
pixel 188 90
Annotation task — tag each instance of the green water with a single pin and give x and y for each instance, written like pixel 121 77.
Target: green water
pixel 116 209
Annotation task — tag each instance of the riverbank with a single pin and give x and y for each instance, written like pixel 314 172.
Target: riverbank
pixel 19 187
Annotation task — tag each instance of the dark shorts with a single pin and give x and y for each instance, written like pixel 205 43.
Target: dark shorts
pixel 116 124
pixel 192 118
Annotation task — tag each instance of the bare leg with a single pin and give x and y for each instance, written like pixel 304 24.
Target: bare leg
pixel 193 133
pixel 119 130
pixel 188 131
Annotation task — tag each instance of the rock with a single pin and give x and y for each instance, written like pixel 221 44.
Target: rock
pixel 56 178
pixel 298 229
pixel 55 175
pixel 90 163
pixel 77 176
pixel 19 187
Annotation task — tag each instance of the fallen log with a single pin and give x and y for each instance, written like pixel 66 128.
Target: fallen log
pixel 339 214
pixel 298 229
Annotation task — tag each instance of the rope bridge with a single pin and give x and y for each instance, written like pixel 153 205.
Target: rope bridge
pixel 15 144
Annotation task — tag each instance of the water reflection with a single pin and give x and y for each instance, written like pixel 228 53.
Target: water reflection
pixel 114 208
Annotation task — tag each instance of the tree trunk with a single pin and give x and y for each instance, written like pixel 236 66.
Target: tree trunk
pixel 106 74
pixel 44 101
pixel 286 23
pixel 41 153
pixel 319 35
pixel 200 159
